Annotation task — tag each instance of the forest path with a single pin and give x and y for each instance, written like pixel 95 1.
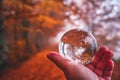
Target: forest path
pixel 36 68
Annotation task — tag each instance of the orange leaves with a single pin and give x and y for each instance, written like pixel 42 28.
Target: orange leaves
pixel 36 68
pixel 48 22
pixel 11 3
pixel 25 7
pixel 30 25
pixel 49 13
pixel 52 8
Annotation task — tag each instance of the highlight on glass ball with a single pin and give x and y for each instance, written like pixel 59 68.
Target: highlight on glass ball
pixel 78 45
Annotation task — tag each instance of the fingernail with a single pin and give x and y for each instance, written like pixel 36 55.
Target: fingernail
pixel 52 54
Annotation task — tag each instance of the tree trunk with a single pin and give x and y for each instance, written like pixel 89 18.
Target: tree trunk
pixel 3 41
pixel 0 15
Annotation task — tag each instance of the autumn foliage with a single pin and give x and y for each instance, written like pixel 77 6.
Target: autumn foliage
pixel 27 27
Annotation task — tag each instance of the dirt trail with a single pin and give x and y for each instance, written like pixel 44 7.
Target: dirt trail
pixel 36 68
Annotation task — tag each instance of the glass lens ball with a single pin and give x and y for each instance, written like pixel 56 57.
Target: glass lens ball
pixel 78 45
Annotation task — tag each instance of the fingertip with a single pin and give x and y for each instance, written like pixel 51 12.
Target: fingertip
pixel 106 50
pixel 101 51
pixel 53 53
pixel 103 48
pixel 108 69
pixel 106 59
pixel 54 57
pixel 109 53
pixel 59 60
pixel 110 65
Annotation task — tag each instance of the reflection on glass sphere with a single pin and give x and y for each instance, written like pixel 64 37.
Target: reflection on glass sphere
pixel 78 45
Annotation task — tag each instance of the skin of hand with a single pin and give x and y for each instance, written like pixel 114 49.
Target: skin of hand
pixel 100 68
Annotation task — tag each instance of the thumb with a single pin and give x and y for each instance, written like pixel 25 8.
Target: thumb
pixel 60 61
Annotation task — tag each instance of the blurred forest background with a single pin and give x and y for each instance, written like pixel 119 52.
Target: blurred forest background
pixel 29 29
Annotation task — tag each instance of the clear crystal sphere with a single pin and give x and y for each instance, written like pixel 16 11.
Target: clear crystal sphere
pixel 78 45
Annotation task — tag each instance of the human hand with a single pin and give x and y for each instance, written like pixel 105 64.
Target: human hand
pixel 100 68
